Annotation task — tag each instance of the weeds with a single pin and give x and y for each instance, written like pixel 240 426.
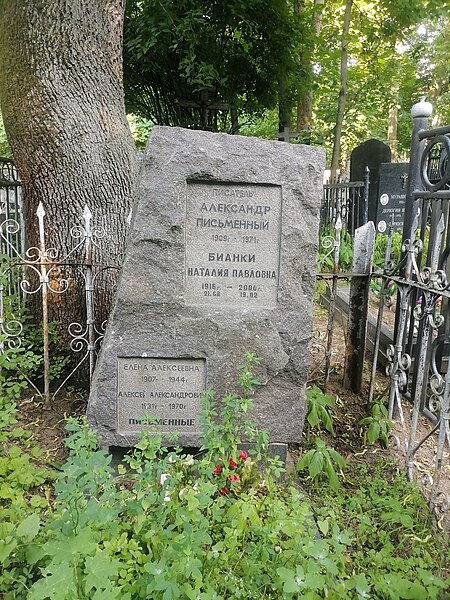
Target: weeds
pixel 378 425
pixel 216 525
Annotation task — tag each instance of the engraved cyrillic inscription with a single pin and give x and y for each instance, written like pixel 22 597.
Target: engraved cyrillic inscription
pixel 232 244
pixel 160 394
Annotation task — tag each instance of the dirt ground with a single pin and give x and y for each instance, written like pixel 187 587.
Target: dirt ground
pixel 47 422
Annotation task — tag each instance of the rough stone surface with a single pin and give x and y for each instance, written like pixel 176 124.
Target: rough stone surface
pixel 160 312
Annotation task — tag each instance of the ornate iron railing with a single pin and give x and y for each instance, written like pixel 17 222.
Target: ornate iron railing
pixel 42 272
pixel 418 366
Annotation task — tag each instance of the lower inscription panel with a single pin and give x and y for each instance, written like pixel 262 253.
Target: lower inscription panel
pixel 163 391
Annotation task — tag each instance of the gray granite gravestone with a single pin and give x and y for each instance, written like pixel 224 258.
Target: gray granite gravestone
pixel 392 196
pixel 220 260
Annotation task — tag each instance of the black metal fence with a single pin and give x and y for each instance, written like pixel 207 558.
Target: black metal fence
pixel 347 201
pixel 418 359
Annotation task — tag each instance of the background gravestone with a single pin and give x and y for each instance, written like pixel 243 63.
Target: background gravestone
pixel 392 196
pixel 371 154
pixel 220 260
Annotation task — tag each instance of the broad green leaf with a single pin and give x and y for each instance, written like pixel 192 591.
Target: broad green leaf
pixel 316 464
pixel 285 573
pixel 331 474
pixel 336 457
pixel 361 585
pixel 305 460
pixel 6 547
pixel 313 418
pixel 66 548
pixel 323 525
pixel 327 421
pixel 314 581
pixel 101 570
pixel 290 586
pixel 29 527
pixel 374 432
pixel 56 584
pixel 320 444
pixel 109 594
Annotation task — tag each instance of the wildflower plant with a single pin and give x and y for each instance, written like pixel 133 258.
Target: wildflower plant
pixel 377 425
pixel 235 470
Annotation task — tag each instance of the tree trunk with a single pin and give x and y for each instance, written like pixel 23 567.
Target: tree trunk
pixel 342 92
pixel 305 97
pixel 62 101
pixel 234 120
pixel 284 107
pixel 392 130
pixel 393 123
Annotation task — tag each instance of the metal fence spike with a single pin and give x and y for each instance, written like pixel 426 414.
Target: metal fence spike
pixel 40 210
pixel 87 214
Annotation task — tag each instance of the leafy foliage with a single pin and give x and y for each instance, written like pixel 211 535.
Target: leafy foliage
pixel 20 474
pixel 379 252
pixel 392 552
pixel 378 424
pixel 167 528
pixel 140 130
pixel 319 409
pixel 326 258
pixel 321 462
pixel 175 51
pixel 18 362
pixel 21 357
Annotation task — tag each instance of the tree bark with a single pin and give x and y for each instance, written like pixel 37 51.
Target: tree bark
pixel 393 123
pixel 284 107
pixel 342 92
pixel 61 96
pixel 305 97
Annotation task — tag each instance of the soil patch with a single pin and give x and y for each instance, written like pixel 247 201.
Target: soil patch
pixel 47 423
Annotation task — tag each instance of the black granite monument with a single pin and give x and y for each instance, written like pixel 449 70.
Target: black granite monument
pixel 371 154
pixel 392 196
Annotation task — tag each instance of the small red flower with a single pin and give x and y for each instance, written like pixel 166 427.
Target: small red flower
pixel 243 455
pixel 217 470
pixel 224 491
pixel 233 465
pixel 233 478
